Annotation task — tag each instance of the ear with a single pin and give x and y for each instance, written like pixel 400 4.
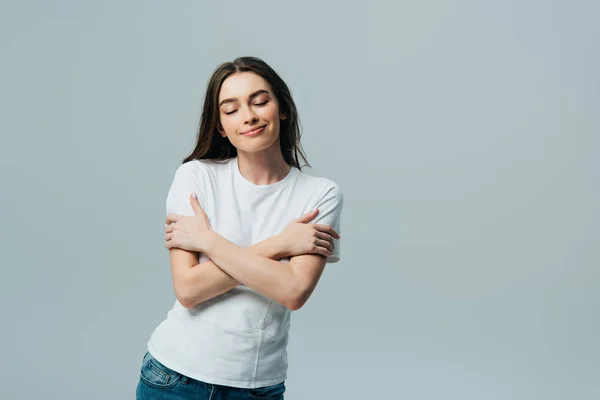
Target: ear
pixel 220 129
pixel 282 116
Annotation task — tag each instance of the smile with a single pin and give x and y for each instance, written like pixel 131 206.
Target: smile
pixel 255 131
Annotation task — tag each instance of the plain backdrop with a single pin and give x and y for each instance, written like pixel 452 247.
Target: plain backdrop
pixel 465 136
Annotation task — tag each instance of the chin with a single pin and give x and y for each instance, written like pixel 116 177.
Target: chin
pixel 253 147
pixel 256 144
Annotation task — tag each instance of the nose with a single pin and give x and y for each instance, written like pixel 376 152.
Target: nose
pixel 250 116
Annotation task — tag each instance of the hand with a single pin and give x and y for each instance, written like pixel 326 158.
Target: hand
pixel 188 232
pixel 300 237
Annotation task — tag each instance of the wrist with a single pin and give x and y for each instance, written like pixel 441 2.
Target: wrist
pixel 211 239
pixel 278 247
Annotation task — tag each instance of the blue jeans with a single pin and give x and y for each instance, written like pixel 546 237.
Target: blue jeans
pixel 158 382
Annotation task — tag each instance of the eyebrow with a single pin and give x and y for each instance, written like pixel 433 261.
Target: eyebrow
pixel 253 95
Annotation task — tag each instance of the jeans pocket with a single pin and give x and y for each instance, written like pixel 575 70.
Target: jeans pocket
pixel 273 392
pixel 157 375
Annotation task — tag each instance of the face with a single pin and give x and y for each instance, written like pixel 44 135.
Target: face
pixel 249 113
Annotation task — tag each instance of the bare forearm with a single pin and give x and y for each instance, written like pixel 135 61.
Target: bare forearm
pixel 268 277
pixel 206 280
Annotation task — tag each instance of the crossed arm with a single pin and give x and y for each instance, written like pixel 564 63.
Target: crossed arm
pixel 290 284
pixel 195 283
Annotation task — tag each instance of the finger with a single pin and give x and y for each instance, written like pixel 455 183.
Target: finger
pixel 169 228
pixel 171 243
pixel 173 218
pixel 308 216
pixel 325 244
pixel 195 203
pixel 321 250
pixel 168 236
pixel 328 229
pixel 324 236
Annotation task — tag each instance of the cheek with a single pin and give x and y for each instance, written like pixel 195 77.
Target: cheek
pixel 269 113
pixel 228 124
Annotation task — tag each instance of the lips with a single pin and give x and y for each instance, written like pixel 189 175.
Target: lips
pixel 252 131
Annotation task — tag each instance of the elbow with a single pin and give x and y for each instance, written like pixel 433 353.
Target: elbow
pixel 295 305
pixel 184 296
pixel 188 299
pixel 186 303
pixel 297 300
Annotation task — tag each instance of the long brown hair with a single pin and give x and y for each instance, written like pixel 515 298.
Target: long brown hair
pixel 211 145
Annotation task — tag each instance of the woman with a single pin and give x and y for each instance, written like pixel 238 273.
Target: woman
pixel 249 235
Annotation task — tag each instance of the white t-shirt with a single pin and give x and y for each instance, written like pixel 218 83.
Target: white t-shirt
pixel 239 338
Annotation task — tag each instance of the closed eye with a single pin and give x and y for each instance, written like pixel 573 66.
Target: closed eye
pixel 257 104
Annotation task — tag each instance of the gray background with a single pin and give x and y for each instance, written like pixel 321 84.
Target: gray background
pixel 464 134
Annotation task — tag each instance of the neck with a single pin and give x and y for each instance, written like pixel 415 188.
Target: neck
pixel 264 167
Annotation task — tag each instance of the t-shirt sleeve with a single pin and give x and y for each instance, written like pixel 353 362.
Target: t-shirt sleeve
pixel 185 182
pixel 330 206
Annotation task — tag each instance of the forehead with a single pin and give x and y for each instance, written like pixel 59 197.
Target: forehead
pixel 242 85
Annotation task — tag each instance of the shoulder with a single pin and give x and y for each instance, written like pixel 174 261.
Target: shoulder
pixel 200 169
pixel 192 175
pixel 193 167
pixel 195 176
pixel 321 186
